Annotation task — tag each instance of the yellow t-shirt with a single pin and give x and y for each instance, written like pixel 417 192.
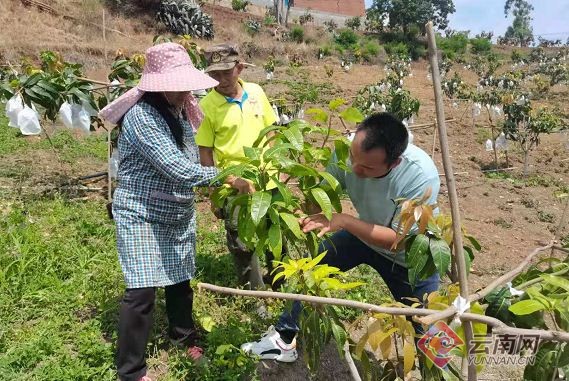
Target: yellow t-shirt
pixel 227 126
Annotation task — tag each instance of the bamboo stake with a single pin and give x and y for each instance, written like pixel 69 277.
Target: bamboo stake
pixel 500 327
pixel 104 36
pixel 453 196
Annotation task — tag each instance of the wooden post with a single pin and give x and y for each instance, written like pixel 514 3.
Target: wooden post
pixel 109 155
pixel 104 36
pixel 453 197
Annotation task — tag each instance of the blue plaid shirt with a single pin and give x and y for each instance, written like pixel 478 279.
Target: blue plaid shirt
pixel 153 204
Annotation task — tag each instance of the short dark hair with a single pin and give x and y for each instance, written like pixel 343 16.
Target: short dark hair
pixel 384 130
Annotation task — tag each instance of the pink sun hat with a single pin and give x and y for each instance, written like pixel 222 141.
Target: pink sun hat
pixel 168 67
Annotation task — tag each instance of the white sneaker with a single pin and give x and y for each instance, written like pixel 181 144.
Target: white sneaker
pixel 272 347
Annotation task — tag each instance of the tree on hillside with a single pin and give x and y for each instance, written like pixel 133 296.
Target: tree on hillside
pixel 400 14
pixel 520 33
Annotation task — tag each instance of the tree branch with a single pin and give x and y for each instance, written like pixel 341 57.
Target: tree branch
pixel 498 326
pixel 445 314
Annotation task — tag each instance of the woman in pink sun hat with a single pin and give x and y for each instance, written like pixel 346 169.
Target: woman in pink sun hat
pixel 153 205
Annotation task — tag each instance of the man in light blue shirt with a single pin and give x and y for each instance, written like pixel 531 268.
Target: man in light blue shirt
pixel 384 168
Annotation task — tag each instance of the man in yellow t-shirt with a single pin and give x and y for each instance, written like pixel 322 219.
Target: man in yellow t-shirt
pixel 235 113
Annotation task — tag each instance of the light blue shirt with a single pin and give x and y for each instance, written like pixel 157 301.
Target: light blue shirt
pixel 374 198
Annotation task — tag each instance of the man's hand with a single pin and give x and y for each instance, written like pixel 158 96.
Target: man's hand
pixel 320 222
pixel 243 186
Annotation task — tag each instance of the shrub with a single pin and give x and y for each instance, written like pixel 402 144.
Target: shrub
pixel 269 19
pixel 347 38
pixel 185 17
pixel 354 23
pixel 306 18
pixel 480 45
pixel 369 50
pixel 453 45
pixel 324 51
pixel 240 5
pixel 396 48
pixel 296 34
pixel 253 27
pixel 330 25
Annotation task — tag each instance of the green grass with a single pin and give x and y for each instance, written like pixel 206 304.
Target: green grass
pixel 68 147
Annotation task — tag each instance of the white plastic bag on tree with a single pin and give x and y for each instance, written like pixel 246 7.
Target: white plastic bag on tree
pixel 476 109
pixel 114 164
pixel 29 122
pixel 89 109
pixel 66 115
pixel 502 142
pixel 13 108
pixel 81 118
pixel 406 124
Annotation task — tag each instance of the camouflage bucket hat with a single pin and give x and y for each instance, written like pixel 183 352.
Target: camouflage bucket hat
pixel 223 57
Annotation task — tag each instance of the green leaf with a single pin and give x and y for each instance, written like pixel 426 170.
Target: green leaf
pixel 264 133
pixel 331 181
pixel 468 257
pixel 352 115
pixel 335 103
pixel 416 256
pixel 340 337
pixel 341 150
pixel 499 304
pixel 207 323
pixel 252 153
pixel 526 307
pixel 220 194
pixel 428 270
pixel 556 281
pixel 260 202
pixel 283 190
pixel 334 199
pixel 545 363
pixel 323 201
pixel 441 255
pixel 292 223
pixel 318 115
pixel 275 241
pixel 294 136
pixel 473 242
pixel 268 154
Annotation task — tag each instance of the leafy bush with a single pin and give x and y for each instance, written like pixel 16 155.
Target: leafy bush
pixel 330 25
pixel 453 45
pixel 354 23
pixel 253 27
pixel 306 18
pixel 269 19
pixel 394 42
pixel 324 51
pixel 396 48
pixel 296 34
pixel 184 17
pixel 480 45
pixel 347 38
pixel 240 5
pixel 369 50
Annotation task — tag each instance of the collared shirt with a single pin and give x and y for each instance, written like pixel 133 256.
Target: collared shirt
pixel 239 101
pixel 228 126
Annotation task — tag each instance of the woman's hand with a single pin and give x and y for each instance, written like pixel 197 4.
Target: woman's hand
pixel 243 186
